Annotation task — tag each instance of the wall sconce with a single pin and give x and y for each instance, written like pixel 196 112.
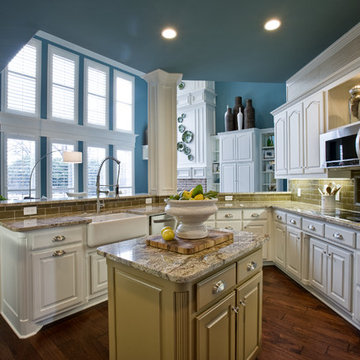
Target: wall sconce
pixel 74 157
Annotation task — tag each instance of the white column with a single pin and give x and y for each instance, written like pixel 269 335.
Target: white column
pixel 162 164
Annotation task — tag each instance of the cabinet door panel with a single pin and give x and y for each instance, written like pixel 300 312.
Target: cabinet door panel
pixel 57 280
pixel 280 243
pixel 280 132
pixel 339 276
pixel 293 251
pixel 258 227
pixel 98 273
pixel 313 127
pixel 245 177
pixel 295 139
pixel 249 298
pixel 318 254
pixel 244 143
pixel 227 148
pixel 228 178
pixel 216 331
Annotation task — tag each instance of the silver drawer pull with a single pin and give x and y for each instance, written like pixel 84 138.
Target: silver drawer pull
pixel 251 266
pixel 242 302
pixel 338 236
pixel 312 227
pixel 255 215
pixel 229 228
pixel 229 216
pixel 58 238
pixel 292 221
pixel 278 217
pixel 218 287
pixel 58 253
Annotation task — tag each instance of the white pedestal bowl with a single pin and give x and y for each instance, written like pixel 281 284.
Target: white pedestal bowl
pixel 190 216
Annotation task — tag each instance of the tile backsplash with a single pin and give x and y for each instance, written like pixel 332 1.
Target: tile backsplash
pixel 310 193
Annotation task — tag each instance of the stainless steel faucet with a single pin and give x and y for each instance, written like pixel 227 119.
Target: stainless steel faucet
pixel 98 191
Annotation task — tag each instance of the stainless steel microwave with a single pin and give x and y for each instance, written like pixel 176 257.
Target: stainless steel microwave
pixel 340 147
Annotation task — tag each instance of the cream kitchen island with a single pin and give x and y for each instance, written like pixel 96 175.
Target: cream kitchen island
pixel 163 305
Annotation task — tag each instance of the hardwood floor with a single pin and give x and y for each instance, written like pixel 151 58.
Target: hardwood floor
pixel 295 326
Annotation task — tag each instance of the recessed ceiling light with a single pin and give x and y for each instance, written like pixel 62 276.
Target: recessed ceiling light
pixel 169 33
pixel 272 24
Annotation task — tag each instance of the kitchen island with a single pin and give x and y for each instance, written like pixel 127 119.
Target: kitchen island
pixel 163 305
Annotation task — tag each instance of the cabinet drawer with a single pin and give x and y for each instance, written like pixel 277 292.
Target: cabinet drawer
pixel 340 235
pixel 215 286
pixel 55 237
pixel 229 225
pixel 313 227
pixel 293 220
pixel 249 265
pixel 254 214
pixel 229 214
pixel 280 216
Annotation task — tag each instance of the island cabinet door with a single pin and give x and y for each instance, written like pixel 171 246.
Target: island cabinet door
pixel 249 303
pixel 280 243
pixel 216 331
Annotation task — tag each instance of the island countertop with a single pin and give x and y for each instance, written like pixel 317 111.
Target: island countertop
pixel 176 267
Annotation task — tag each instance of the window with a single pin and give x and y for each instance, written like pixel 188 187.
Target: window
pixel 95 155
pixel 62 174
pixel 96 93
pixel 126 171
pixel 123 101
pixel 22 80
pixel 20 159
pixel 63 70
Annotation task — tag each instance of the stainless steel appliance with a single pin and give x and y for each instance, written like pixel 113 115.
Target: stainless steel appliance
pixel 340 147
pixel 157 222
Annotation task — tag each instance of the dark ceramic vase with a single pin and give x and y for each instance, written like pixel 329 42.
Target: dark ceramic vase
pixel 249 115
pixel 229 120
pixel 238 107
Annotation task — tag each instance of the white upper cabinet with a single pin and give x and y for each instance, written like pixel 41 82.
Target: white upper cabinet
pixel 295 139
pixel 227 148
pixel 280 144
pixel 313 127
pixel 244 147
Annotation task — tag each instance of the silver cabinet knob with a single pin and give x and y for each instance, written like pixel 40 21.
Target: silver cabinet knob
pixel 58 253
pixel 229 216
pixel 218 287
pixel 229 228
pixel 242 302
pixel 278 217
pixel 292 221
pixel 235 309
pixel 338 236
pixel 58 238
pixel 255 215
pixel 251 266
pixel 312 227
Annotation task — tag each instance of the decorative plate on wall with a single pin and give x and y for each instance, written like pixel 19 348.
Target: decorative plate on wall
pixel 180 119
pixel 187 150
pixel 187 136
pixel 191 157
pixel 181 128
pixel 181 86
pixel 180 146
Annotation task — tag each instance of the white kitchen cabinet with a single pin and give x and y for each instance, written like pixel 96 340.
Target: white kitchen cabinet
pixel 279 244
pixel 57 278
pixel 330 271
pixel 239 161
pixel 97 274
pixel 293 251
pixel 258 227
pixel 313 127
pixel 295 139
pixel 280 133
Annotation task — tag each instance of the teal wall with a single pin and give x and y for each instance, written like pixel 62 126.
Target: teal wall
pixel 265 98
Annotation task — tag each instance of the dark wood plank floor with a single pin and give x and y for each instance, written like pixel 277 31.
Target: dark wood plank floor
pixel 295 326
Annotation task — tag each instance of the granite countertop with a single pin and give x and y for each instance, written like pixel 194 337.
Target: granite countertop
pixel 176 267
pixel 43 223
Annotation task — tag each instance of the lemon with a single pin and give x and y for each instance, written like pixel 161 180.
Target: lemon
pixel 168 234
pixel 166 228
pixel 199 197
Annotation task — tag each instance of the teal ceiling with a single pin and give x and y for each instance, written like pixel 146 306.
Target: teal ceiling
pixel 218 40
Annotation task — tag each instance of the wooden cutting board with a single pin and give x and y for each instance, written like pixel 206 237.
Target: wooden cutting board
pixel 188 247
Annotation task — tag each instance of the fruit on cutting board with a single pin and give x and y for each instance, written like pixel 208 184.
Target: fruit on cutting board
pixel 166 228
pixel 196 193
pixel 168 234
